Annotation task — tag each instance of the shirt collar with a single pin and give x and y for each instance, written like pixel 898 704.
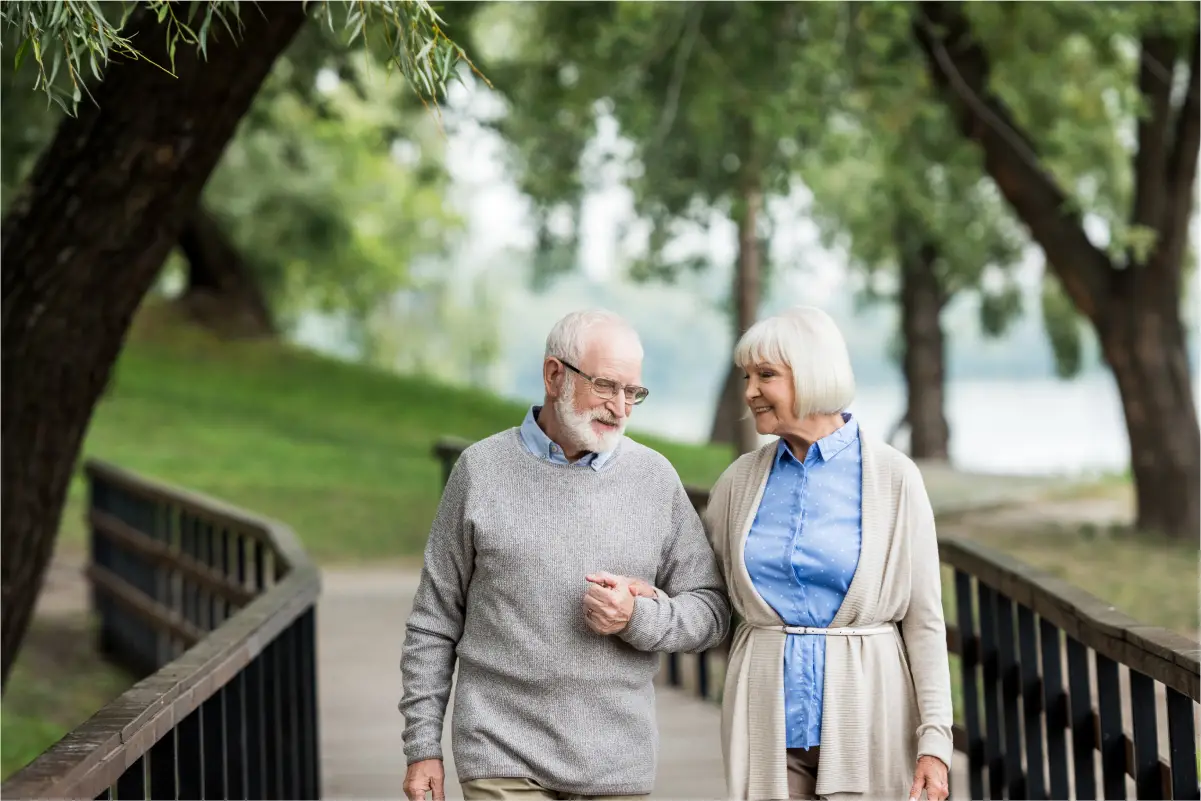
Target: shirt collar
pixel 538 443
pixel 828 446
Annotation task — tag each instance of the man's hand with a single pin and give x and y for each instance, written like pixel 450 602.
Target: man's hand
pixel 636 585
pixel 931 776
pixel 608 603
pixel 423 776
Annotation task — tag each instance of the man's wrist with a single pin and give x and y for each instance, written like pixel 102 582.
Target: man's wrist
pixel 639 629
pixel 630 614
pixel 422 754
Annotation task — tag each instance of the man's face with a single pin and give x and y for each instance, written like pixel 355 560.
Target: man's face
pixel 597 423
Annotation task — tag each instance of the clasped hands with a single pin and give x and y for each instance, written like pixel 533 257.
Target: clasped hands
pixel 609 601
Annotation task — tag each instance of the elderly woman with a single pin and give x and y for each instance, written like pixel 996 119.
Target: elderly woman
pixel 837 683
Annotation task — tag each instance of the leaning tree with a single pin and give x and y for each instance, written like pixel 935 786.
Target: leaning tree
pixel 1037 85
pixel 154 92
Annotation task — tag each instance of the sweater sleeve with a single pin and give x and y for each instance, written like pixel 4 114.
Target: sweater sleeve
pixel 691 612
pixel 924 628
pixel 436 622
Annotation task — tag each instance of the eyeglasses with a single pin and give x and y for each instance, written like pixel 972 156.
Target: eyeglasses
pixel 607 388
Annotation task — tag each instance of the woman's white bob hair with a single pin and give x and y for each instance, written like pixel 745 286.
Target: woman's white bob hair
pixel 807 340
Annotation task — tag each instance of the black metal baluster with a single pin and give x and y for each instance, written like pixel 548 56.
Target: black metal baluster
pixel 228 544
pixel 273 734
pixel 187 547
pixel 215 745
pixel 1113 741
pixel 209 558
pixel 190 755
pixel 673 670
pixel 290 719
pixel 1011 688
pixel 256 729
pixel 1055 703
pixel 241 566
pixel 260 565
pixel 1147 781
pixel 308 678
pixel 1182 746
pixel 1032 706
pixel 236 784
pixel 702 675
pixel 969 645
pixel 132 783
pixel 991 690
pixel 1084 733
pixel 163 756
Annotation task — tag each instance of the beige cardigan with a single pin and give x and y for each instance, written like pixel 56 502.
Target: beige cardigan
pixel 887 697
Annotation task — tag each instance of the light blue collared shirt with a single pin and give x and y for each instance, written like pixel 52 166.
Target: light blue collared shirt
pixel 537 443
pixel 801 553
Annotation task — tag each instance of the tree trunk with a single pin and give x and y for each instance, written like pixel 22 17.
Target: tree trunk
pixel 1134 306
pixel 924 358
pixel 222 294
pixel 732 423
pixel 80 248
pixel 1145 345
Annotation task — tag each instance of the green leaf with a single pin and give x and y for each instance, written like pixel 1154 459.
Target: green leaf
pixel 24 46
pixel 203 35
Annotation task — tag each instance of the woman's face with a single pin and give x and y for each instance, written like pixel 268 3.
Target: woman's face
pixel 771 397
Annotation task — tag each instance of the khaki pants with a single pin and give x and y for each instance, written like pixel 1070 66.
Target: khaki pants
pixel 527 790
pixel 802 772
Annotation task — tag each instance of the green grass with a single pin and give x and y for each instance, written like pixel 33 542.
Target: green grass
pixel 57 682
pixel 340 453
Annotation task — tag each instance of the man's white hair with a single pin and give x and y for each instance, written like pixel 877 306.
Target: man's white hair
pixel 569 338
pixel 807 340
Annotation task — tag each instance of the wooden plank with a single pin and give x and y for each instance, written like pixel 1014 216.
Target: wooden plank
pixel 114 529
pixel 277 536
pixel 135 602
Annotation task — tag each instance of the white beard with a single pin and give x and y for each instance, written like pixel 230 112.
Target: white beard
pixel 578 425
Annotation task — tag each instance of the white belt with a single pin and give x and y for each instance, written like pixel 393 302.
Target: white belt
pixel 846 631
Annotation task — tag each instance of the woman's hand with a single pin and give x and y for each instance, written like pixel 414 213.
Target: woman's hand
pixel 931 776
pixel 637 586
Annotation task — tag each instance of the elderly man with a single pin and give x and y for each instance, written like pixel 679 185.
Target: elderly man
pixel 538 577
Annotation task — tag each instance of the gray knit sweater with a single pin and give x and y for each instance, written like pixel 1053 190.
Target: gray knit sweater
pixel 539 695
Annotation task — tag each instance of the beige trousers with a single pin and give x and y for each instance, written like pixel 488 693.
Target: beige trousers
pixel 527 790
pixel 802 772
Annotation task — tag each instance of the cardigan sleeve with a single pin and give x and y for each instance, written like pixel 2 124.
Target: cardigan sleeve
pixel 715 517
pixel 924 627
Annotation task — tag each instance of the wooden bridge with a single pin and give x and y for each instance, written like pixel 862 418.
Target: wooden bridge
pixel 249 692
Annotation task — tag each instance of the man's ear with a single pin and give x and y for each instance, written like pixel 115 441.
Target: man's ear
pixel 552 377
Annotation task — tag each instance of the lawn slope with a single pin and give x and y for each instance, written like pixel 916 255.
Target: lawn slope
pixel 339 452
